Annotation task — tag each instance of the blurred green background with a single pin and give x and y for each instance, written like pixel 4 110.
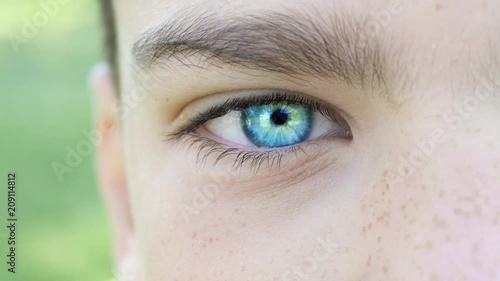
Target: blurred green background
pixel 46 106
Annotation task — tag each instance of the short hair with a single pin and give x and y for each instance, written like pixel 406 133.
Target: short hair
pixel 110 37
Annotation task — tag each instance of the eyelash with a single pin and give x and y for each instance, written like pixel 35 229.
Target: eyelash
pixel 257 158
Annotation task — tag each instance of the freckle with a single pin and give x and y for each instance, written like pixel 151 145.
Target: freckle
pixel 384 268
pixel 477 210
pixel 242 268
pixel 379 239
pixel 475 248
pixel 369 261
pixel 403 207
pixel 434 277
pixel 369 226
pixel 419 268
pixel 424 187
pixel 386 214
pixel 441 194
pixel 236 210
pixel 244 225
pixel 440 223
pixel 210 240
pixel 386 173
pixel 194 234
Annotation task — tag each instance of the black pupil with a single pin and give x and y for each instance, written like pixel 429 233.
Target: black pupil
pixel 278 117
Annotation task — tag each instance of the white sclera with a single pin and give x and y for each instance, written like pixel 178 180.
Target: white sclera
pixel 229 128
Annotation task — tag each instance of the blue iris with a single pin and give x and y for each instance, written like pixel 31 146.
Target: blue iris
pixel 277 124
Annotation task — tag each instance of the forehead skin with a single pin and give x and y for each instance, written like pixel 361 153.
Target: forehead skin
pixel 359 213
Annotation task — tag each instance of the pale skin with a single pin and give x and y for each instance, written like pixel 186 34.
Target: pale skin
pixel 413 195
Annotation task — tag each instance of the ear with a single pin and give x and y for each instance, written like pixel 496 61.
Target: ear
pixel 110 168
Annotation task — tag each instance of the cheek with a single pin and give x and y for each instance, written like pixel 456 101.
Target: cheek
pixel 439 223
pixel 198 225
pixel 442 221
pixel 211 233
pixel 466 211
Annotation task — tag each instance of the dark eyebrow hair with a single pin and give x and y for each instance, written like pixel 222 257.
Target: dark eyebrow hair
pixel 292 43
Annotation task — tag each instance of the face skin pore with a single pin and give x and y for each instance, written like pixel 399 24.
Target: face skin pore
pixel 412 194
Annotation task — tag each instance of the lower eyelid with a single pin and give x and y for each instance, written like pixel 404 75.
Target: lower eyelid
pixel 214 153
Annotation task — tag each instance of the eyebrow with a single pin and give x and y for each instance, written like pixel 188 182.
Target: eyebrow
pixel 292 43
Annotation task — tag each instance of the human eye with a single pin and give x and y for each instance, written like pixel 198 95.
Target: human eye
pixel 261 125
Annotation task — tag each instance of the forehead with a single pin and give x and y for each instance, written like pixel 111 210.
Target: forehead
pixel 417 40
